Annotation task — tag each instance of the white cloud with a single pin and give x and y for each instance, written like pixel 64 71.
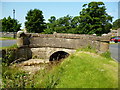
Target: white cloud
pixel 110 14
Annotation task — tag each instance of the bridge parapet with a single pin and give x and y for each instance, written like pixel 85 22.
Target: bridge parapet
pixel 36 42
pixel 70 41
pixel 66 36
pixel 71 36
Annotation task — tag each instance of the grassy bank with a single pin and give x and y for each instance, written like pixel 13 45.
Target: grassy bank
pixel 9 47
pixel 7 38
pixel 80 70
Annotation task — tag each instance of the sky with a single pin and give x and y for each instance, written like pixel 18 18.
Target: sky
pixel 58 9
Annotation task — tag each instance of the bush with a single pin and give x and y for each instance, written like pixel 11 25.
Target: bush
pixel 16 78
pixel 8 56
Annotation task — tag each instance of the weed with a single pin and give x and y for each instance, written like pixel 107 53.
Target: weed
pixel 106 54
pixel 88 48
pixel 16 78
pixel 8 56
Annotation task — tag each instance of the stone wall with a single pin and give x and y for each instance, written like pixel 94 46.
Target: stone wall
pixel 15 55
pixel 8 34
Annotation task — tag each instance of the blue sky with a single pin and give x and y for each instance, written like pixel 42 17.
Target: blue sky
pixel 57 9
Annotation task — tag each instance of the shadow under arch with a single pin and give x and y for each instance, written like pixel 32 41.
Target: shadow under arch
pixel 58 56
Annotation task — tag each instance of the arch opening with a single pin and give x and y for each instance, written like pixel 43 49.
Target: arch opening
pixel 58 56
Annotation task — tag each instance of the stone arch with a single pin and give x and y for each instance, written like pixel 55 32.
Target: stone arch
pixel 50 51
pixel 58 55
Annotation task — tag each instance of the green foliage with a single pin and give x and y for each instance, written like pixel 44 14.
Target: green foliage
pixel 10 47
pixel 10 25
pixel 52 19
pixel 66 24
pixel 89 48
pixel 52 80
pixel 35 21
pixel 8 54
pixel 94 19
pixel 0 25
pixel 116 24
pixel 6 38
pixel 16 78
pixel 106 54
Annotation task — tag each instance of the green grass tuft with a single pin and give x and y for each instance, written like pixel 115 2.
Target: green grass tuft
pixel 106 54
pixel 10 47
pixel 88 49
pixel 7 38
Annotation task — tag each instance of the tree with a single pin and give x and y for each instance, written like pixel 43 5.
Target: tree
pixel 0 25
pixel 10 25
pixel 66 24
pixel 50 25
pixel 63 24
pixel 52 19
pixel 75 25
pixel 94 19
pixel 116 24
pixel 35 21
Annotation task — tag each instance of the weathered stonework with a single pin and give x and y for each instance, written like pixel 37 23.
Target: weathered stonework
pixel 8 34
pixel 46 52
pixel 104 47
pixel 34 45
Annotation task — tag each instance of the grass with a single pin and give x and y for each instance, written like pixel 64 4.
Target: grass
pixel 114 43
pixel 7 38
pixel 0 70
pixel 83 69
pixel 87 49
pixel 15 78
pixel 86 71
pixel 9 47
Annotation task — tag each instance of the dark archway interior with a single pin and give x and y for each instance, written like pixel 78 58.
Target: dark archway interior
pixel 58 56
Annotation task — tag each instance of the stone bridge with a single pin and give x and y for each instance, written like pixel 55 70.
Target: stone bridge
pixel 52 46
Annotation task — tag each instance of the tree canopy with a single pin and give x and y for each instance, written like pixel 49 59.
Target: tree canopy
pixel 94 19
pixel 0 25
pixel 35 21
pixel 66 24
pixel 116 24
pixel 10 25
